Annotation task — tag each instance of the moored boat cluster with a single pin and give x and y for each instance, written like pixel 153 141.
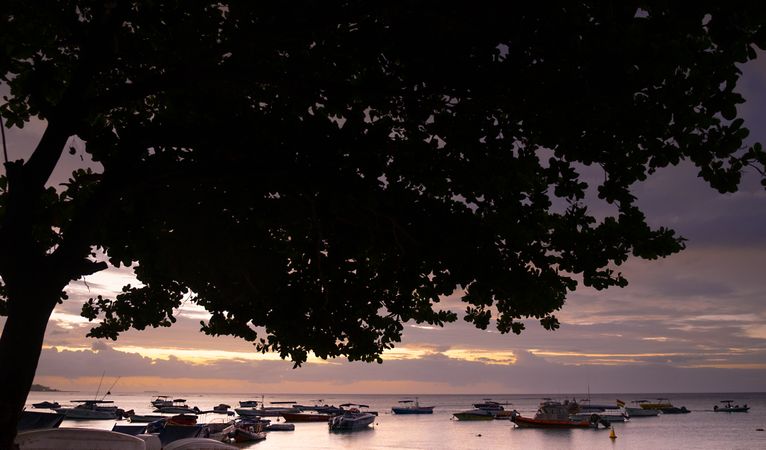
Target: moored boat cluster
pixel 175 425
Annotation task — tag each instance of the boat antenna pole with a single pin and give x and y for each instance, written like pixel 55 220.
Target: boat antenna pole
pixel 99 384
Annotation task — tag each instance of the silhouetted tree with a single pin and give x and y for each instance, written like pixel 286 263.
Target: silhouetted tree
pixel 315 174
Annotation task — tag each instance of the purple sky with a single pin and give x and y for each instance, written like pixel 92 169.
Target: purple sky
pixel 693 322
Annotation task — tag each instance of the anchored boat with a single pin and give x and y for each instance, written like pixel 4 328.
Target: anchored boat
pixel 728 407
pixel 552 414
pixel 412 407
pixel 475 414
pixel 351 420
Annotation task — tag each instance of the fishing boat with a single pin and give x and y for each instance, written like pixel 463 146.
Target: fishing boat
pixel 351 420
pixel 91 410
pixel 475 414
pixel 412 407
pixel 552 414
pixel 728 407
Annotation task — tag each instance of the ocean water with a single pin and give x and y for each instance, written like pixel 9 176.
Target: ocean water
pixel 701 429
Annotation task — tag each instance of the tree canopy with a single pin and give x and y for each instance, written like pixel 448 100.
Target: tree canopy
pixel 315 174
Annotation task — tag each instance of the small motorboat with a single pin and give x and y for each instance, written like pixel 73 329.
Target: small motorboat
pixel 222 408
pixel 661 403
pixel 248 404
pixel 46 405
pixel 145 418
pixel 728 407
pixel 353 419
pixel 638 411
pixel 675 410
pixel 412 407
pixel 178 408
pixel 244 430
pixel 307 417
pixel 489 405
pixel 475 414
pixel 280 427
pixel 161 400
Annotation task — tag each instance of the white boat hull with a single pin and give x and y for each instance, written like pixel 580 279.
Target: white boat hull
pixel 351 422
pixel 77 439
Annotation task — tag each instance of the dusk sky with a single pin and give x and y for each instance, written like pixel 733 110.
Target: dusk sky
pixel 693 322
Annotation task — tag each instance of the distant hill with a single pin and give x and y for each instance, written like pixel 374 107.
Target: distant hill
pixel 41 388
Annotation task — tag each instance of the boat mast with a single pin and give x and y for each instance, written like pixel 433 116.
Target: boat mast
pixel 109 391
pixel 99 385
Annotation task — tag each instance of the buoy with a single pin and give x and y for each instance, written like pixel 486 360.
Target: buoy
pixel 611 434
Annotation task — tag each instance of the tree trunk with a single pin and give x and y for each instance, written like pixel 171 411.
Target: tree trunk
pixel 20 347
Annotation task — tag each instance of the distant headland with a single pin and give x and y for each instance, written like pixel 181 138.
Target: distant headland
pixel 41 388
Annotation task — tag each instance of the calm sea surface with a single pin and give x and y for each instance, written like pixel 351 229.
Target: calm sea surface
pixel 701 429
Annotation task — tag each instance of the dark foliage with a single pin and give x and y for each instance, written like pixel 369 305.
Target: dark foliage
pixel 317 173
